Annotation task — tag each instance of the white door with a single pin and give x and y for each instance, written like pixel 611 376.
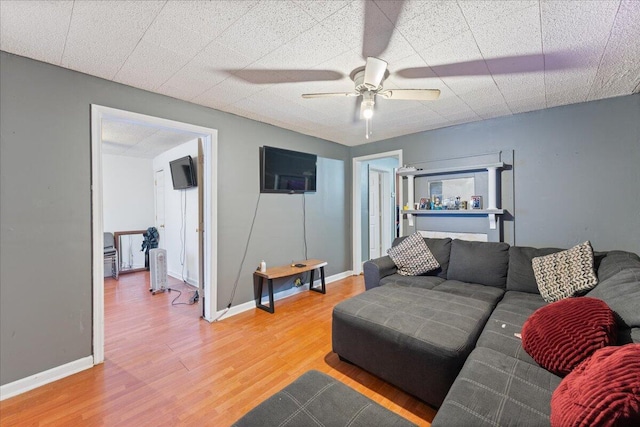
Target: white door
pixel 387 214
pixel 375 236
pixel 159 201
pixel 381 220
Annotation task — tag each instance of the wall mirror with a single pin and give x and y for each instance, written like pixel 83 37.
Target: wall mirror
pixel 128 245
pixel 449 189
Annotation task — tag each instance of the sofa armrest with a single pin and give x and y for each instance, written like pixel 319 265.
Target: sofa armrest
pixel 376 269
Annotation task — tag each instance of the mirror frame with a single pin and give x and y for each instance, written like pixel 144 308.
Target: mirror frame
pixel 116 238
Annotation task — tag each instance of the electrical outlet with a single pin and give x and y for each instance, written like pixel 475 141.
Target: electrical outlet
pixel 194 298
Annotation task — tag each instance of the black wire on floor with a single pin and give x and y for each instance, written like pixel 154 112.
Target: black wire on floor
pixel 192 300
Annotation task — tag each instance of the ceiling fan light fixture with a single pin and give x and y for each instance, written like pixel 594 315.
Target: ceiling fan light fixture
pixel 367 112
pixel 366 107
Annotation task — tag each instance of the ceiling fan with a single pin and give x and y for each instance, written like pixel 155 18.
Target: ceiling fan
pixel 368 82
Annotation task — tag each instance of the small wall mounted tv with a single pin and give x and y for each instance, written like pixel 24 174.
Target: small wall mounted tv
pixel 183 173
pixel 286 171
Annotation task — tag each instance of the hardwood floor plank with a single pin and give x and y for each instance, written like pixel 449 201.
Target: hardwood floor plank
pixel 166 366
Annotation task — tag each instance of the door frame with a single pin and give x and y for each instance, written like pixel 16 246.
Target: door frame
pixel 356 221
pixel 157 223
pixel 210 145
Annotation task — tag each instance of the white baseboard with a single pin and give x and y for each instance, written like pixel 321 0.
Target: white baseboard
pixel 250 305
pixel 178 276
pixel 34 381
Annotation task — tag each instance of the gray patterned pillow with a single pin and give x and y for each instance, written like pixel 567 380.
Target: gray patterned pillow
pixel 412 256
pixel 565 274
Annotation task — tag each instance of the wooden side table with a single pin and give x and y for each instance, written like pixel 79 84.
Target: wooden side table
pixel 287 271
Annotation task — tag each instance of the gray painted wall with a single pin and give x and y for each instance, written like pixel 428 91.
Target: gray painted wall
pixel 45 208
pixel 576 172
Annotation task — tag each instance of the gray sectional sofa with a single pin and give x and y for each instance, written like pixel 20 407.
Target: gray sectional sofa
pixel 448 337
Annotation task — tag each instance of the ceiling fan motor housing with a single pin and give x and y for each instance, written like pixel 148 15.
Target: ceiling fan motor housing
pixel 357 76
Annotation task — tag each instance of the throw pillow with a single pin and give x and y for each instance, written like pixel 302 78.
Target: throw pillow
pixel 561 335
pixel 565 274
pixel 603 391
pixel 412 256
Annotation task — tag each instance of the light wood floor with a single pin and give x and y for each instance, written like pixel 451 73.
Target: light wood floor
pixel 164 366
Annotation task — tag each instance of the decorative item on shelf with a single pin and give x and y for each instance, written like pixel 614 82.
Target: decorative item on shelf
pixel 464 205
pixel 476 202
pixel 423 203
pixel 416 206
pixel 437 203
pixel 405 207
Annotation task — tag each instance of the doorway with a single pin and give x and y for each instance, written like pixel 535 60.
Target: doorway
pixel 386 161
pixel 209 184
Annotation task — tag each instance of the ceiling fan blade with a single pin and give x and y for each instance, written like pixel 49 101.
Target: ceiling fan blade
pixel 411 94
pixel 374 72
pixel 379 24
pixel 496 66
pixel 329 95
pixel 271 76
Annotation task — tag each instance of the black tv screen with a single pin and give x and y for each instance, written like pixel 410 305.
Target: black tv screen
pixel 286 171
pixel 183 174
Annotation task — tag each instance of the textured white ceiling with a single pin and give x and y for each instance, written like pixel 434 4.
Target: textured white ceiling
pixel 133 139
pixel 488 58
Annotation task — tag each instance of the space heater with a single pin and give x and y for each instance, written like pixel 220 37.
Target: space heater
pixel 158 270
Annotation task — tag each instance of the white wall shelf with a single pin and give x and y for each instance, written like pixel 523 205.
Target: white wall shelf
pixel 490 212
pixel 454 212
pixel 440 171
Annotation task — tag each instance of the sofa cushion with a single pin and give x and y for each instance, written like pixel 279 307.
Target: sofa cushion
pixel 318 399
pixel 561 335
pixel 412 256
pixel 376 269
pixel 485 263
pixel 619 286
pixel 494 389
pixel 471 290
pixel 520 276
pixel 414 338
pixel 565 274
pixel 602 391
pixel 506 321
pixel 616 261
pixel 441 250
pixel 426 282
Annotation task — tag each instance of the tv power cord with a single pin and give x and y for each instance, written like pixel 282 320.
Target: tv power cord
pixel 244 256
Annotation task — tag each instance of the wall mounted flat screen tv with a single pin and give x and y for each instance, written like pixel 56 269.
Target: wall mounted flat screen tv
pixel 183 173
pixel 286 171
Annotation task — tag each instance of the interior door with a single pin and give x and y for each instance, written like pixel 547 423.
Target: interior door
pixel 159 205
pixel 387 221
pixel 374 215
